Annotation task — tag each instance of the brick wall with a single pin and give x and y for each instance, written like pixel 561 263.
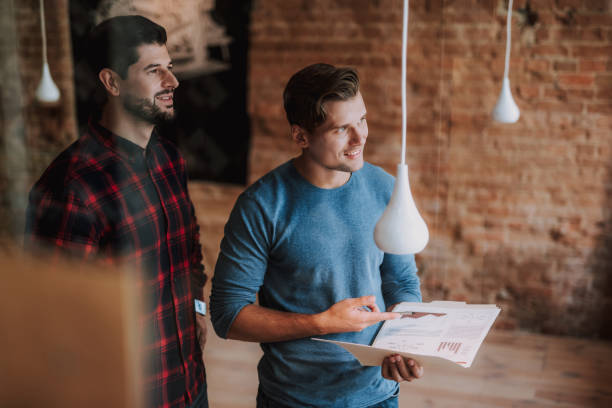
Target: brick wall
pixel 519 214
pixel 32 133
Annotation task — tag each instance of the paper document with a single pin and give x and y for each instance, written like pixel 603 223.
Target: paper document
pixel 452 331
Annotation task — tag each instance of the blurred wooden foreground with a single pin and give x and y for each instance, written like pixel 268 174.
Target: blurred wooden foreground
pixel 69 335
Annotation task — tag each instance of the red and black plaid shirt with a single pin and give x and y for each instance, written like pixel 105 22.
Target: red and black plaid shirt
pixel 107 198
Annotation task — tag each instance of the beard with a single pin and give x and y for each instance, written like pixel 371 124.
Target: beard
pixel 147 110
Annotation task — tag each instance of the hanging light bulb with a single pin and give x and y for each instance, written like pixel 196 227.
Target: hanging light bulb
pixel 47 91
pixel 505 110
pixel 401 229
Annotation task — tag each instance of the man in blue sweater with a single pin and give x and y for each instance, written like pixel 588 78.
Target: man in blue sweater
pixel 302 238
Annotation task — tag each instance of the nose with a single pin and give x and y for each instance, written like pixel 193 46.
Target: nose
pixel 170 80
pixel 359 135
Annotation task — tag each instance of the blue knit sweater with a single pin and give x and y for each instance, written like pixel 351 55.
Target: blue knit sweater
pixel 303 249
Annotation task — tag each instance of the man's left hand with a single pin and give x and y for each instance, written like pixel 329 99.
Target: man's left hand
pixel 398 368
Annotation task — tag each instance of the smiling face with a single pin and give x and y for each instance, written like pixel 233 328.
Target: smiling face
pixel 148 90
pixel 335 148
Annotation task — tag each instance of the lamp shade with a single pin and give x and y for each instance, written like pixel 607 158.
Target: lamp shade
pixel 47 90
pixel 505 110
pixel 401 230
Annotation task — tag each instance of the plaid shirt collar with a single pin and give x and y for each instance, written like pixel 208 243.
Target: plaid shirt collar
pixel 121 146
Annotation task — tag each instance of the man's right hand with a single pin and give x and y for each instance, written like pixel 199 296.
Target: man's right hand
pixel 353 314
pixel 263 325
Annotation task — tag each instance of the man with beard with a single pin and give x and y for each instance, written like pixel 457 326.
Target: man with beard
pixel 119 195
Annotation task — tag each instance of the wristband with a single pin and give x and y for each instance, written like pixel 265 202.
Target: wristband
pixel 200 307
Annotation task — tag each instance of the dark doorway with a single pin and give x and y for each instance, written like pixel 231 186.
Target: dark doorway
pixel 212 127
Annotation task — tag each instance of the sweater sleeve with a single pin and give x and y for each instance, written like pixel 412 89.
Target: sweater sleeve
pixel 400 282
pixel 241 265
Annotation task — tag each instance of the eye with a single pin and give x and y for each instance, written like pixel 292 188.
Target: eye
pixel 341 129
pixel 154 71
pixel 362 121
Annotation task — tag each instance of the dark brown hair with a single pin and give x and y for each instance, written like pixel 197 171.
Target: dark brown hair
pixel 113 43
pixel 310 88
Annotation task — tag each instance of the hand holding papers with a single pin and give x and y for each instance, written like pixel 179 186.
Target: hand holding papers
pixel 451 331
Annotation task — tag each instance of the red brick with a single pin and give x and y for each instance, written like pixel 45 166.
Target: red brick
pixel 566 107
pixel 592 66
pixel 479 34
pixel 577 34
pixel 549 50
pixel 538 65
pixel 605 108
pixel 464 16
pixel 592 51
pixel 604 20
pixel 528 91
pixel 542 35
pixel 596 5
pixel 576 80
pixel 603 122
pixel 573 4
pixel 605 93
pixel 459 50
pixel 533 77
pixel 425 33
pixel 546 17
pixel 603 80
pixel 372 31
pixel 569 94
pixel 565 66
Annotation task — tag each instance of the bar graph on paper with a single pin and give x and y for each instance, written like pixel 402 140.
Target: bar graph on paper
pixel 451 347
pixel 450 330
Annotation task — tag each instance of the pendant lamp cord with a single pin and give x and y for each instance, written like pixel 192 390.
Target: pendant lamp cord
pixel 508 35
pixel 43 31
pixel 436 257
pixel 404 43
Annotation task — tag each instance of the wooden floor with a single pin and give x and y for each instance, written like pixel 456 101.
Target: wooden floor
pixel 512 369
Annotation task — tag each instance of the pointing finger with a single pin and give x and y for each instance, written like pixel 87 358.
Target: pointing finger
pixel 389 315
pixel 380 316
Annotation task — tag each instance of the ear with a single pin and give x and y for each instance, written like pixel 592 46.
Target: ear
pixel 299 136
pixel 110 80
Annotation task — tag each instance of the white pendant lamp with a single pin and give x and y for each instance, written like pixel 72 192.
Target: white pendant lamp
pixel 47 91
pixel 505 110
pixel 401 229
